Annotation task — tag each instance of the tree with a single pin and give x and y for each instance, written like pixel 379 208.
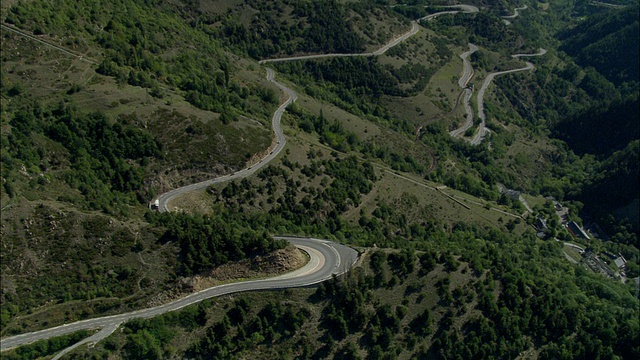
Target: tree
pixel 143 345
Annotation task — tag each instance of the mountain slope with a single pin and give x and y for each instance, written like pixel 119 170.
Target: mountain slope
pixel 608 41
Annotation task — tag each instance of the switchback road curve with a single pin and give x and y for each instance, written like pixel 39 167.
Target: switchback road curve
pixel 482 130
pixel 467 73
pixel 327 259
pixel 515 14
pixel 165 199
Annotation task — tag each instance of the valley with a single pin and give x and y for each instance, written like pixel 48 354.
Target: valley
pixel 377 149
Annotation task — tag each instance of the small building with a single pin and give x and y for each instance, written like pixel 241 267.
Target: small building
pixel 577 231
pixel 512 194
pixel 543 229
pixel 620 262
pixel 155 205
pixel 541 224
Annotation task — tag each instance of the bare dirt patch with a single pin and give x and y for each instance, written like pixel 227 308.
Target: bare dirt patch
pixel 276 263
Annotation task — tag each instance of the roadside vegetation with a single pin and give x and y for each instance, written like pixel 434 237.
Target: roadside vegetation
pixel 162 94
pixel 410 304
pixel 85 149
pixel 45 348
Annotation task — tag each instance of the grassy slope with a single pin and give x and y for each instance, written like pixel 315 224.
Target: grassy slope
pixel 525 158
pixel 405 192
pixel 102 93
pixel 195 145
pixel 51 244
pixel 453 299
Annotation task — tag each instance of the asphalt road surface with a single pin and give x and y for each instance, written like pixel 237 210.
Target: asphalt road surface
pixel 467 69
pixel 414 30
pixel 482 130
pixel 467 9
pixel 468 122
pixel 515 15
pixel 515 12
pixel 326 260
pixel 467 73
pixel 165 199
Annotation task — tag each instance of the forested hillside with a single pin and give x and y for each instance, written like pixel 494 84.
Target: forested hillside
pixel 263 30
pixel 407 304
pixel 327 29
pixel 592 105
pixel 91 132
pixel 104 161
pixel 608 42
pixel 465 249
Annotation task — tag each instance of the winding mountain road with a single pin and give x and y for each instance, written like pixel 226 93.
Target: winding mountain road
pixel 467 9
pixel 165 199
pixel 600 3
pixel 467 69
pixel 515 14
pixel 463 82
pixel 467 73
pixel 482 131
pixel 540 52
pixel 414 30
pixel 326 260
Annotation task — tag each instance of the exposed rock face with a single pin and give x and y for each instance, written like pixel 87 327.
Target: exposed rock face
pixel 275 263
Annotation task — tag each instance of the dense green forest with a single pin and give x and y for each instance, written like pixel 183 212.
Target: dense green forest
pixel 450 267
pixel 511 303
pixel 608 42
pixel 207 242
pixel 597 43
pixel 99 165
pixel 601 130
pixel 313 210
pixel 76 181
pixel 326 30
pixel 105 161
pixel 592 105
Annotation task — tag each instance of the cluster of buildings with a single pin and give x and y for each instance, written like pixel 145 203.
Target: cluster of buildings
pixel 613 266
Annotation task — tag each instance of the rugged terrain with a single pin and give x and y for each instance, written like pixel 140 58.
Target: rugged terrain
pixel 106 106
